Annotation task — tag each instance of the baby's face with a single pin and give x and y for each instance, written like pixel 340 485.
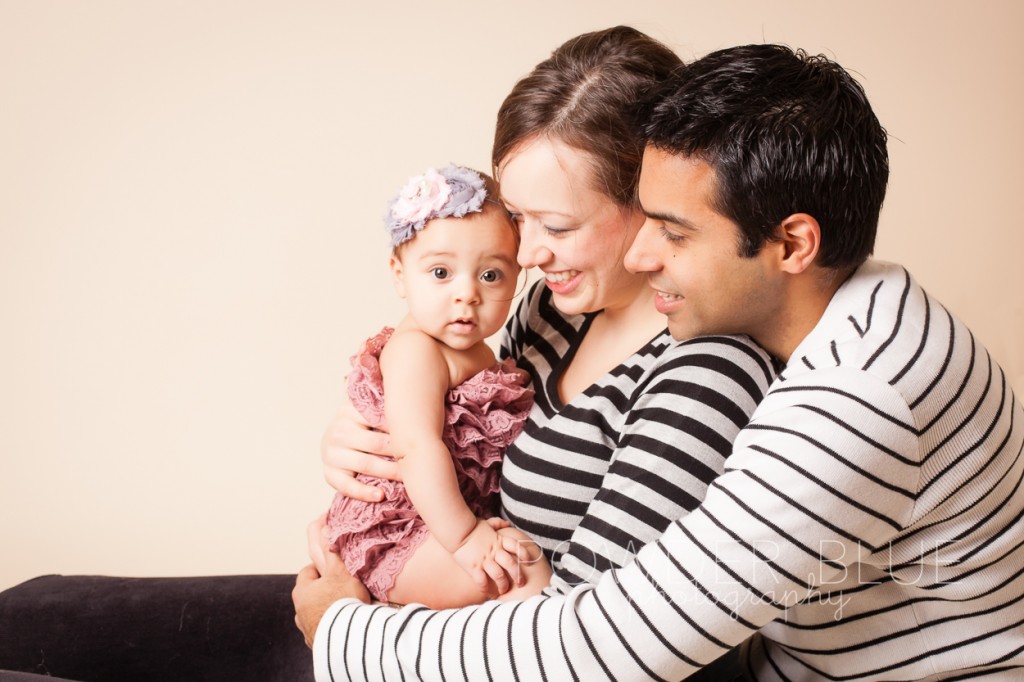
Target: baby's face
pixel 459 276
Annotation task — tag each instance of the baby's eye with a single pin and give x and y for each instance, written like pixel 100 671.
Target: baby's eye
pixel 491 276
pixel 440 273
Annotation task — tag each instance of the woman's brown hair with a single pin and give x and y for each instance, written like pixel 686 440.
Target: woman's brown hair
pixel 588 95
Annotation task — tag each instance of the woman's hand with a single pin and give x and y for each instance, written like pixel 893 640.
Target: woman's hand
pixel 315 543
pixel 349 446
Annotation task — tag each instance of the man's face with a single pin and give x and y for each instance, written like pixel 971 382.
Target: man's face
pixel 690 253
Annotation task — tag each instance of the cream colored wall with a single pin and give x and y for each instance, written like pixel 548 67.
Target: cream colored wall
pixel 190 242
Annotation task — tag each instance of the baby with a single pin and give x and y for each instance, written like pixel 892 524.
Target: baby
pixel 450 407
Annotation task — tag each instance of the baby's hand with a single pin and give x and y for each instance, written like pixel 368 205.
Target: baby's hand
pixel 484 558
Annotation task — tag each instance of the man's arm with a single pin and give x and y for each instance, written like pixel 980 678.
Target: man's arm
pixel 794 509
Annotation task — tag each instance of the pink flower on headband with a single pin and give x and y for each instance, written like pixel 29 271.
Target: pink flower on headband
pixel 421 196
pixel 452 191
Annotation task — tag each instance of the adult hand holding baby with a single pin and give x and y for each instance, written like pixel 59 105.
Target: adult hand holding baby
pixel 348 446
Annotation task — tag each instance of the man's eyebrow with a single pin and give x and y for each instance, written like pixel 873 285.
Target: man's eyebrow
pixel 669 218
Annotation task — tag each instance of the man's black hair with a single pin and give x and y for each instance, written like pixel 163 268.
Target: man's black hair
pixel 785 133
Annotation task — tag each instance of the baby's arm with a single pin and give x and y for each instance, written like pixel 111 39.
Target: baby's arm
pixel 416 378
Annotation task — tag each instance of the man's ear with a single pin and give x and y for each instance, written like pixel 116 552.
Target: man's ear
pixel 398 275
pixel 800 240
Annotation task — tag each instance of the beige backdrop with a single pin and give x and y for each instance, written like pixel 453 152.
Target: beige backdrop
pixel 190 240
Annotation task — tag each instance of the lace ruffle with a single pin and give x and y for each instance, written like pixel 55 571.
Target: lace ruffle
pixel 483 416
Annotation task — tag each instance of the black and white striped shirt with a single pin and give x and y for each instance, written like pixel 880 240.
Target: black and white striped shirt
pixel 595 480
pixel 870 517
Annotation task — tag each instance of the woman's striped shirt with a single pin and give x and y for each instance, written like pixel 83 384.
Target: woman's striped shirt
pixel 871 517
pixel 594 480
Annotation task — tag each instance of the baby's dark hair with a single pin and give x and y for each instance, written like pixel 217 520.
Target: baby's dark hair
pixel 494 202
pixel 450 192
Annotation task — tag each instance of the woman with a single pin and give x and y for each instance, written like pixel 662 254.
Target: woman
pixel 629 427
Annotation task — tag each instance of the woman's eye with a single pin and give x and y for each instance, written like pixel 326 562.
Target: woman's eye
pixel 491 276
pixel 440 273
pixel 516 217
pixel 556 231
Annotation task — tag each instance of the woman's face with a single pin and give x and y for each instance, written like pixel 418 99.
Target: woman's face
pixel 574 234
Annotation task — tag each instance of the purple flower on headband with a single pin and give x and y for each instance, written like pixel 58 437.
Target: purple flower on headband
pixel 453 191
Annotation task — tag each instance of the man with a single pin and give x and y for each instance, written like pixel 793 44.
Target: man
pixel 869 522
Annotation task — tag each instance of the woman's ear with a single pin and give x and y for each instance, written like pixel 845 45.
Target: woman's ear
pixel 398 275
pixel 801 239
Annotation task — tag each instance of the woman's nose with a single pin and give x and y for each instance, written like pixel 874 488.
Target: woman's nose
pixel 532 250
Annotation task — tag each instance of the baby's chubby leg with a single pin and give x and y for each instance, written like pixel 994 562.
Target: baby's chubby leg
pixel 433 578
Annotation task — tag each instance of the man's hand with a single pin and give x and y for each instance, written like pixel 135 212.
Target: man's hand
pixel 314 593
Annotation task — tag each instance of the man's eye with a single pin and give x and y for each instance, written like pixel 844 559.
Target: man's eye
pixel 671 237
pixel 440 273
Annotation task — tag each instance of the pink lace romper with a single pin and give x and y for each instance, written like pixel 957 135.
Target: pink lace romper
pixel 483 415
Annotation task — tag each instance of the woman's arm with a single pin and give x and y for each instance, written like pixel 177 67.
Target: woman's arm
pixel 711 580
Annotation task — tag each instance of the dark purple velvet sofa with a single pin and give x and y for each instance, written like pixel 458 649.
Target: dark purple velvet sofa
pixel 100 629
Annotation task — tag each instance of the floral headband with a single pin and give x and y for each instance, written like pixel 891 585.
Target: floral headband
pixel 450 192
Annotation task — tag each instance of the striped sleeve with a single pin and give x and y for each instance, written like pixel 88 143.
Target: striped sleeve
pixel 790 515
